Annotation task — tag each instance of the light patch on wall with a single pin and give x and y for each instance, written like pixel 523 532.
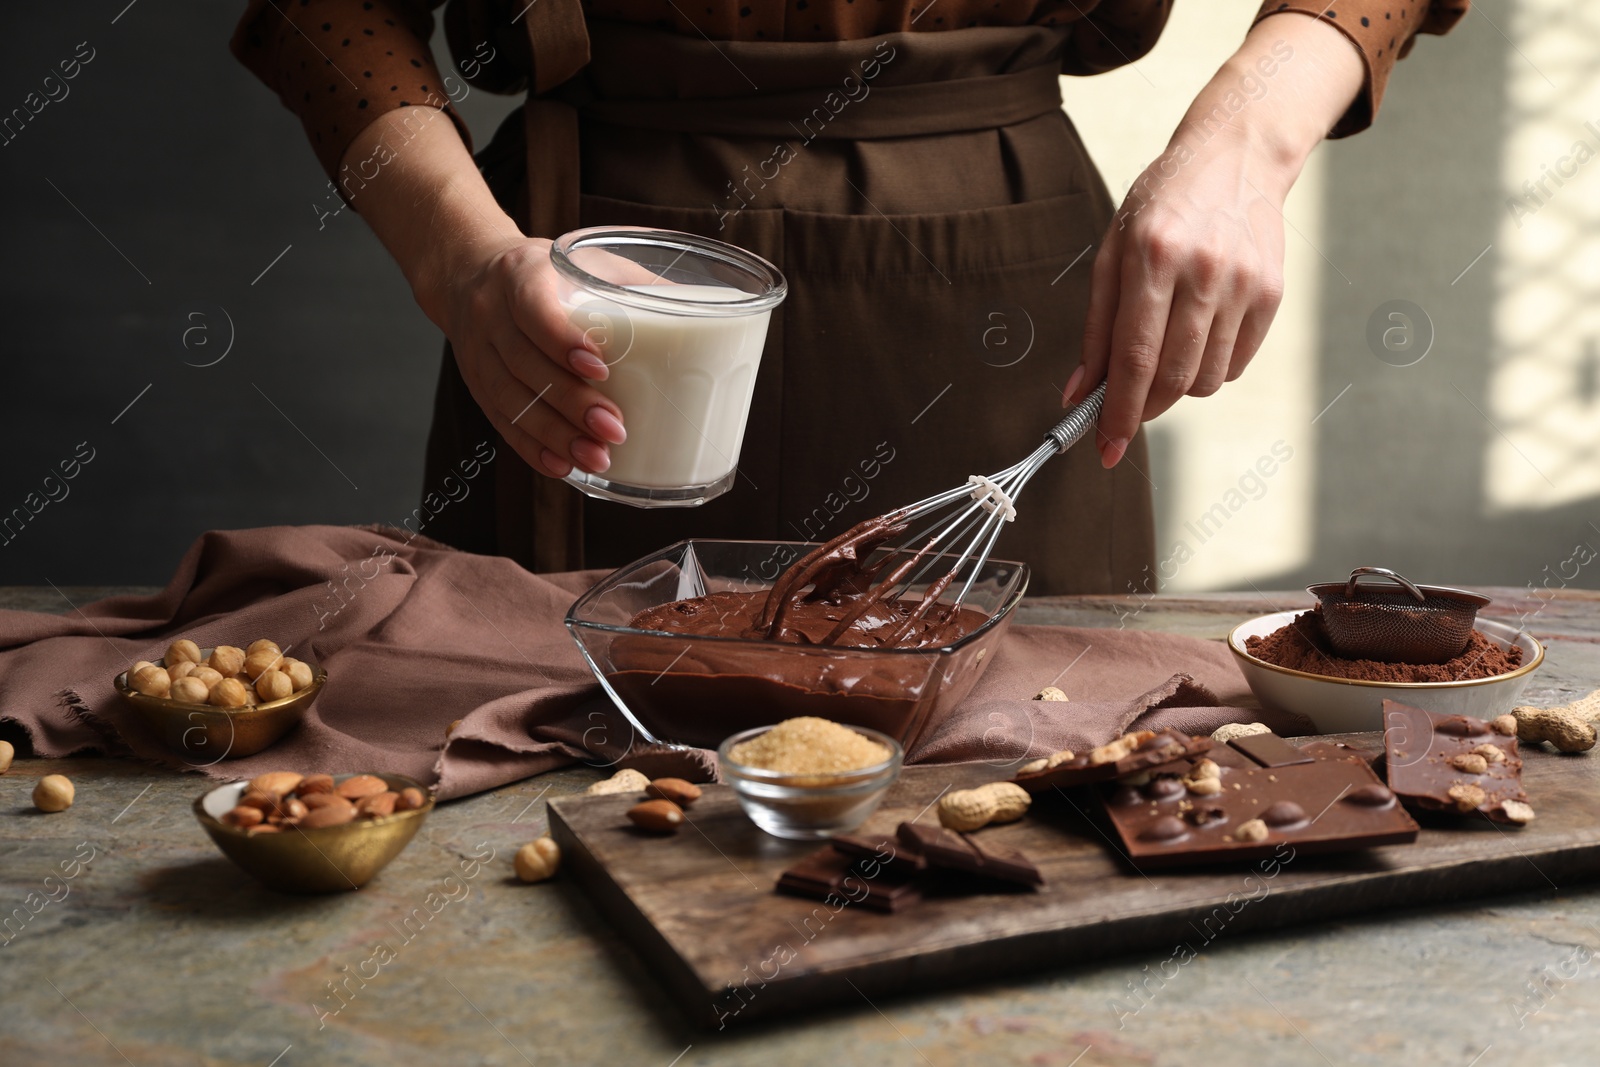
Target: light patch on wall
pixel 1544 387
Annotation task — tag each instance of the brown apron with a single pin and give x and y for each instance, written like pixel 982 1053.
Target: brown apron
pixel 933 211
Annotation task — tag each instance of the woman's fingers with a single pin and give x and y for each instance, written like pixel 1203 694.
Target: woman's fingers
pixel 513 404
pixel 1104 283
pixel 533 301
pixel 1183 350
pixel 1143 307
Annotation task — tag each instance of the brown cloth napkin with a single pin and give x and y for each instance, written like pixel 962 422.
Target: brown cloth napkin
pixel 415 635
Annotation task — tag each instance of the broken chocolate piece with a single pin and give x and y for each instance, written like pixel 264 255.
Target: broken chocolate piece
pixel 830 873
pixel 885 849
pixel 1129 754
pixel 1269 750
pixel 1424 763
pixel 951 851
pixel 1329 804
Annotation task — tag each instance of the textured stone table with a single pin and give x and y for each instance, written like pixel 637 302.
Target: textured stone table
pixel 159 952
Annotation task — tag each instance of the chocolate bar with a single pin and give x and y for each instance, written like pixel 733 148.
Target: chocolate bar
pixel 947 850
pixel 1227 812
pixel 829 873
pixel 1131 753
pixel 1453 763
pixel 1269 750
pixel 885 849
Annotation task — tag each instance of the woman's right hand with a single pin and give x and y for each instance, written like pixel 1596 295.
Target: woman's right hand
pixel 528 366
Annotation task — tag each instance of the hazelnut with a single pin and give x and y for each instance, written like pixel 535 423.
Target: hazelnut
pixel 137 667
pixel 250 698
pixel 53 793
pixel 274 685
pixel 537 860
pixel 208 677
pixel 151 681
pixel 181 669
pixel 228 693
pixel 261 661
pixel 227 660
pixel 262 644
pixel 184 649
pixel 189 690
pixel 7 751
pixel 299 672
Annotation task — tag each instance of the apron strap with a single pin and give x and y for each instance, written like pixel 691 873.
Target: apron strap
pixel 559 41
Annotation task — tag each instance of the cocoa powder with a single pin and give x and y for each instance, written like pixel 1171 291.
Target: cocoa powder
pixel 1302 645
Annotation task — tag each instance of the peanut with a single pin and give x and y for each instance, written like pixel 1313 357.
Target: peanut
pixel 275 783
pixel 1469 763
pixel 8 752
pixel 1505 724
pixel 361 785
pixel 1056 759
pixel 1123 746
pixel 1491 753
pixel 537 860
pixel 53 793
pixel 182 649
pixel 151 681
pixel 624 781
pixel 1467 797
pixel 1205 768
pixel 1254 830
pixel 971 809
pixel 1559 726
pixel 1050 692
pixel 1230 730
pixel 677 790
pixel 1034 766
pixel 1203 787
pixel 227 660
pixel 228 693
pixel 274 685
pixel 189 690
pixel 657 816
pixel 1517 811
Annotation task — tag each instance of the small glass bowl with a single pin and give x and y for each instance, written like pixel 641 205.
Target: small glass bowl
pixel 804 807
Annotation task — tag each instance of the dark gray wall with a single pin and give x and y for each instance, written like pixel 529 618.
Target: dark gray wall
pixel 145 203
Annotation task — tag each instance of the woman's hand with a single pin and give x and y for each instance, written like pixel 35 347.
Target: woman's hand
pixel 526 363
pixel 491 290
pixel 1189 276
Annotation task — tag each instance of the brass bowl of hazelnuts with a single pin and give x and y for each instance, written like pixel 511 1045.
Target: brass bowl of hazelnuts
pixel 212 704
pixel 314 833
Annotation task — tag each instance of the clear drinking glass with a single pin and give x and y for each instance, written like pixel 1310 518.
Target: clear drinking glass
pixel 680 321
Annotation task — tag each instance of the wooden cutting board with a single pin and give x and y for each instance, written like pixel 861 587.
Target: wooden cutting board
pixel 699 906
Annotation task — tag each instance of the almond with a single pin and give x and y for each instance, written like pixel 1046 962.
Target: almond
pixel 377 804
pixel 315 783
pixel 361 785
pixel 328 815
pixel 410 799
pixel 657 816
pixel 243 817
pixel 277 783
pixel 680 792
pixel 323 800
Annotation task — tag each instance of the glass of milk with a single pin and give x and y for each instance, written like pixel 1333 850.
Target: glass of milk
pixel 680 321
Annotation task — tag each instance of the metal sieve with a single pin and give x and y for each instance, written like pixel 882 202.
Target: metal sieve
pixel 1409 624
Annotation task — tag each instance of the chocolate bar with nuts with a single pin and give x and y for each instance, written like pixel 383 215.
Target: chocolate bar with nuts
pixel 1132 753
pixel 828 872
pixel 1454 763
pixel 1224 811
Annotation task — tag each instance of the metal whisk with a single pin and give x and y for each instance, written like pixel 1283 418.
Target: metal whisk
pixel 991 503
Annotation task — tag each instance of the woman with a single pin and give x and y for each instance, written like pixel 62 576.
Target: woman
pixel 906 164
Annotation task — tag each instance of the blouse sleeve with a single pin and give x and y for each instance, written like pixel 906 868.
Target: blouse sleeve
pixel 339 64
pixel 1383 31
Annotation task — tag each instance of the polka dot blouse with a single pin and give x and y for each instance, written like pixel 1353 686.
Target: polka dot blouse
pixel 339 64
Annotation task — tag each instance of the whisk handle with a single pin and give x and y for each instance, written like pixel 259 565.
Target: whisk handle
pixel 1079 421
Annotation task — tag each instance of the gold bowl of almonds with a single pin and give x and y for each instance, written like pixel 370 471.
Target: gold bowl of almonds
pixel 314 833
pixel 211 704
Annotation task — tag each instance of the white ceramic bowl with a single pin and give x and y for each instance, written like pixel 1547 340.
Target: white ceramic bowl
pixel 1343 705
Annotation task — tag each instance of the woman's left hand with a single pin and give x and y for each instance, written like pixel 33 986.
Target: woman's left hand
pixel 1190 275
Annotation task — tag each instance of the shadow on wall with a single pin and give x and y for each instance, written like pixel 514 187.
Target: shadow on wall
pixel 1419 465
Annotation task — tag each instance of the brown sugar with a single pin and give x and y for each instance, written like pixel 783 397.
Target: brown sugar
pixel 1302 645
pixel 809 745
